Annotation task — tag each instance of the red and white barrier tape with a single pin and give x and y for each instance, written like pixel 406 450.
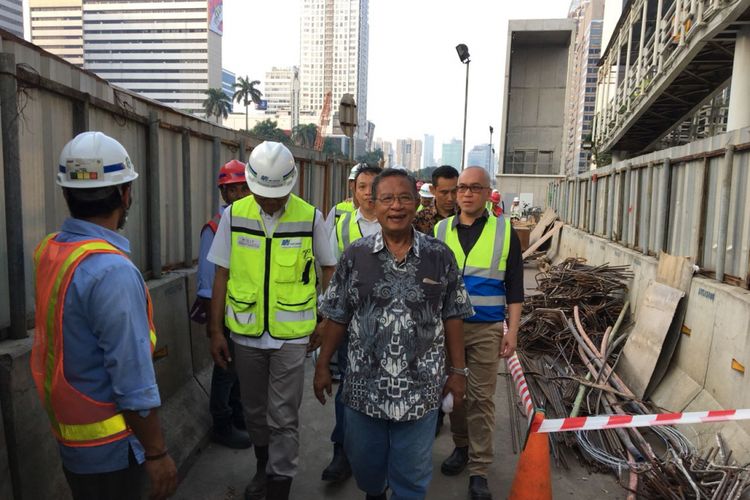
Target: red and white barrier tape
pixel 615 421
pixel 516 372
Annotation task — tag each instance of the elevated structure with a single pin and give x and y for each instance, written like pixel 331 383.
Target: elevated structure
pixel 664 61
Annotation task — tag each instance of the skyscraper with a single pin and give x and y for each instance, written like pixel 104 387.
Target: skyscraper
pixel 452 153
pixel 11 16
pixel 409 153
pixel 479 156
pixel 167 51
pixel 334 44
pixel 579 108
pixel 278 88
pixel 429 151
pixel 387 148
pixel 228 79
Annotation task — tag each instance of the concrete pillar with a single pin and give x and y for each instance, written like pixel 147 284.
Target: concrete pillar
pixel 739 99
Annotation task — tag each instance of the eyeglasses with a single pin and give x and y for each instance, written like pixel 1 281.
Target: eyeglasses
pixel 389 199
pixel 474 188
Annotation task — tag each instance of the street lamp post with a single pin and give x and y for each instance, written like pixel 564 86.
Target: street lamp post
pixel 348 120
pixel 489 153
pixel 463 55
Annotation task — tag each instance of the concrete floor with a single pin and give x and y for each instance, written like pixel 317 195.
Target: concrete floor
pixel 219 473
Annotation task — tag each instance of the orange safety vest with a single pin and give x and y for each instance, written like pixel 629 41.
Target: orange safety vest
pixel 76 419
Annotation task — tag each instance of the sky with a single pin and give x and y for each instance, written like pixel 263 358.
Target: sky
pixel 416 82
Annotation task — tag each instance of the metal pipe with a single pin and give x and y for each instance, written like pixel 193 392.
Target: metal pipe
pixel 241 149
pixel 577 203
pixel 611 182
pixel 592 206
pixel 9 118
pixel 625 224
pixel 466 107
pixel 215 160
pixel 662 209
pixel 634 208
pixel 154 195
pixel 646 219
pixel 187 207
pixel 724 195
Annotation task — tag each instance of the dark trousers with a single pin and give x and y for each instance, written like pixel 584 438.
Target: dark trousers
pixel 224 403
pixel 124 484
pixel 339 430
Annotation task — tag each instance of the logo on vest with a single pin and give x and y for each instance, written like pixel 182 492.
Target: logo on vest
pixel 246 242
pixel 291 243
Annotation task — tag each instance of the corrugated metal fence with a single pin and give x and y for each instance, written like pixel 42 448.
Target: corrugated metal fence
pixel 692 200
pixel 46 101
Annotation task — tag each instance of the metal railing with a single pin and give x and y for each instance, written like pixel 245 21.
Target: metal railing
pixel 691 200
pixel 46 101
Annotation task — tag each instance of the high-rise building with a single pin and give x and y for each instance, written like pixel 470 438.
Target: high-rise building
pixel 409 153
pixel 334 44
pixel 451 154
pixel 582 76
pixel 228 79
pixel 479 156
pixel 11 16
pixel 278 89
pixel 387 148
pixel 429 151
pixel 165 50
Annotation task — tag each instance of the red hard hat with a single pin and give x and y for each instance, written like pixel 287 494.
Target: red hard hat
pixel 495 197
pixel 231 173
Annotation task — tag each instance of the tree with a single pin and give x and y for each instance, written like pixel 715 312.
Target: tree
pixel 330 148
pixel 245 93
pixel 268 130
pixel 372 158
pixel 425 174
pixel 305 135
pixel 217 104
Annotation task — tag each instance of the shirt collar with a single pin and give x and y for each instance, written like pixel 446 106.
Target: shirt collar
pixel 358 217
pixel 91 230
pixel 456 220
pixel 417 237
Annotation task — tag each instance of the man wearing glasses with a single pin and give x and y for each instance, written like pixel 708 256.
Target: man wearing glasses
pixel 398 298
pixel 489 253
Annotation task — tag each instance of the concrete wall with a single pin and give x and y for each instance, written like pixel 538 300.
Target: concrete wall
pixel 183 373
pixel 716 330
pixel 536 81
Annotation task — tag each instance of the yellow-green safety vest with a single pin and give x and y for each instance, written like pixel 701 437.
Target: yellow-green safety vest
pixel 347 230
pixel 344 207
pixel 272 279
pixel 484 266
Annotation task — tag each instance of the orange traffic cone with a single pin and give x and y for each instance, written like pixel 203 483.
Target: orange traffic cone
pixel 532 480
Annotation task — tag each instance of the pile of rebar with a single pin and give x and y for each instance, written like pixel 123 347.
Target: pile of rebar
pixel 571 336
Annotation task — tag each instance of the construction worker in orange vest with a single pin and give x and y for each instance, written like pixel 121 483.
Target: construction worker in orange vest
pixel 91 359
pixel 224 402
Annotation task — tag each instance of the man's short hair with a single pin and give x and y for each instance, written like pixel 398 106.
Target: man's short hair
pixel 443 172
pixel 394 172
pixel 367 169
pixel 94 202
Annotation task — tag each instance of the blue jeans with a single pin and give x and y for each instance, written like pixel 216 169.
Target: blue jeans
pixel 224 402
pixel 384 453
pixel 339 430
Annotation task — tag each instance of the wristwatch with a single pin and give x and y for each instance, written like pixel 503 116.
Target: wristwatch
pixel 459 371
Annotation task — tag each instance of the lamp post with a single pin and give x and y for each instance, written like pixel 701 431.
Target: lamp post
pixel 348 120
pixel 489 153
pixel 463 55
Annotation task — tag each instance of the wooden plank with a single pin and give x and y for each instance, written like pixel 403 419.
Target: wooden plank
pixel 548 217
pixel 558 225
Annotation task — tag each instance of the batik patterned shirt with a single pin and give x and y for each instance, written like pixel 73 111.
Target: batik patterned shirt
pixel 395 313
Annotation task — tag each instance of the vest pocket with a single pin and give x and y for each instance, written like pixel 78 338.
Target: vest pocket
pixel 295 304
pixel 241 306
pixel 288 269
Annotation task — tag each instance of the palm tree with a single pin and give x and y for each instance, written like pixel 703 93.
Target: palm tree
pixel 304 135
pixel 245 93
pixel 217 104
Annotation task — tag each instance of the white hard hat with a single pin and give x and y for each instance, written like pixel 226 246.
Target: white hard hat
pixel 399 167
pixel 424 191
pixel 94 160
pixel 516 199
pixel 270 171
pixel 354 170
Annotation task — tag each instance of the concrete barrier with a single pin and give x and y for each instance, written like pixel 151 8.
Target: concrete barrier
pixel 182 368
pixel 715 332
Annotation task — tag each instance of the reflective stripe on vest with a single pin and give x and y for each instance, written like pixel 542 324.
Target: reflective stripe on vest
pixel 272 280
pixel 347 231
pixel 484 267
pixel 344 207
pixel 77 420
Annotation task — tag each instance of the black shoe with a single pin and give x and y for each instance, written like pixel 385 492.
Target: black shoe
pixel 455 463
pixel 478 489
pixel 439 424
pixel 382 496
pixel 339 468
pixel 239 423
pixel 231 437
pixel 278 487
pixel 256 490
